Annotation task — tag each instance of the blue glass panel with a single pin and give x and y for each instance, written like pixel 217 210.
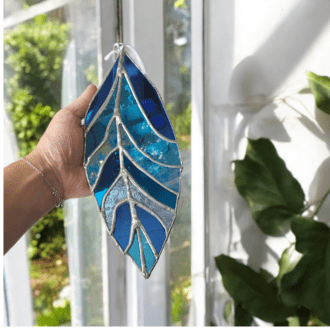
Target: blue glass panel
pixel 123 225
pixel 149 99
pixel 98 158
pixel 146 139
pixel 151 187
pixel 166 215
pixel 134 250
pixel 107 113
pixel 148 254
pixel 117 193
pixel 101 95
pixel 109 173
pixel 94 138
pixel 153 227
pixel 166 175
pixel 96 133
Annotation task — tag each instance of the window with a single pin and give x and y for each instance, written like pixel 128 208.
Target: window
pixel 103 286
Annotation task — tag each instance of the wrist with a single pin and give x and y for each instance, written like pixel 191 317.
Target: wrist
pixel 39 159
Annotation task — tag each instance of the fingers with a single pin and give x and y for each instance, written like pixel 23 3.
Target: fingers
pixel 80 105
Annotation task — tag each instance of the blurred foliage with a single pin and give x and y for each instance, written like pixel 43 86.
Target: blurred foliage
pixel 180 291
pixel 181 124
pixel 91 75
pixel 300 293
pixel 48 277
pixel 58 316
pixel 34 53
pixel 180 4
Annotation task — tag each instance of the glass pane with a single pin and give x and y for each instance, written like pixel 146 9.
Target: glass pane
pixel 34 52
pixel 55 56
pixel 83 222
pixel 178 105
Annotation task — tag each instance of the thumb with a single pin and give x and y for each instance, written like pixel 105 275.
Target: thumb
pixel 80 105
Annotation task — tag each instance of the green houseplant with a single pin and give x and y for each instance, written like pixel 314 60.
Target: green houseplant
pixel 300 293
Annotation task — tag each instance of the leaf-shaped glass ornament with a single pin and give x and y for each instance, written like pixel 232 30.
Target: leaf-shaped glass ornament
pixel 132 160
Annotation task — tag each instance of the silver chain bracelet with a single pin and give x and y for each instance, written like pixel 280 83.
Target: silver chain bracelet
pixel 55 193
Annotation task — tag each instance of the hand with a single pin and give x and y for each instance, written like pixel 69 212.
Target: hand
pixel 60 151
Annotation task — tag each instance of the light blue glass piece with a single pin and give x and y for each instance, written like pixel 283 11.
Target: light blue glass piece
pixel 166 215
pixel 148 254
pixel 168 176
pixel 117 194
pixel 134 250
pixel 146 139
pixel 98 158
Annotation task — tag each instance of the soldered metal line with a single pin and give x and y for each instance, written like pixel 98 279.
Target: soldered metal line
pixel 136 224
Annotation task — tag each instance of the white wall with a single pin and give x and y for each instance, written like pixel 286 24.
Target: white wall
pixel 256 50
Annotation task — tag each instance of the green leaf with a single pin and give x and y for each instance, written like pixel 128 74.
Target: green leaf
pixel 266 275
pixel 228 311
pixel 252 291
pixel 293 321
pixel 307 285
pixel 320 86
pixel 289 259
pixel 273 194
pixel 312 237
pixel 242 316
pixel 303 315
pixel 327 264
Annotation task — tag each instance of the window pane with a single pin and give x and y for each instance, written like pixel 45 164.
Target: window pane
pixel 178 104
pixel 57 67
pixel 34 51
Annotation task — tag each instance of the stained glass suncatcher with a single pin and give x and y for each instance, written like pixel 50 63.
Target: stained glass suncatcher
pixel 132 162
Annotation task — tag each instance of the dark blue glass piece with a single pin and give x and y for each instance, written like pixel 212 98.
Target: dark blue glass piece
pixel 166 175
pixel 148 254
pixel 153 227
pixel 146 139
pixel 98 158
pixel 149 99
pixel 108 176
pixel 94 138
pixel 134 250
pixel 151 187
pixel 96 133
pixel 123 225
pixel 101 95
